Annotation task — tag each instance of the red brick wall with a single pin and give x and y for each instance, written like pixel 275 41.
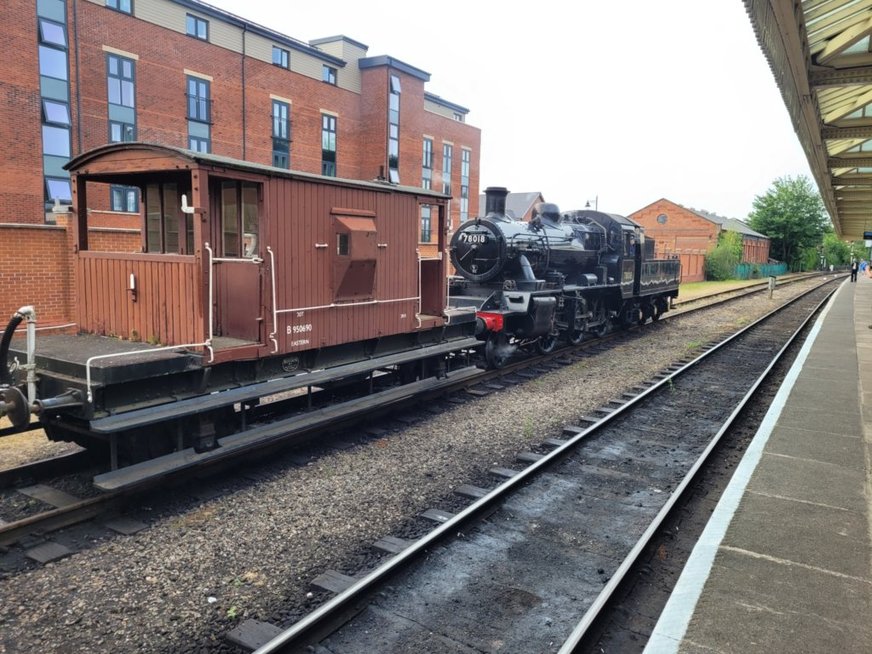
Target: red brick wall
pixel 163 56
pixel 35 270
pixel 21 190
pixel 683 229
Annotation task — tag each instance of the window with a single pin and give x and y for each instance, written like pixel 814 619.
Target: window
pixel 124 198
pixel 52 63
pixel 328 145
pixel 55 113
pixel 465 159
pixel 328 74
pixel 197 27
pixel 239 225
pixel 165 221
pixel 427 164
pixel 56 141
pixel 458 116
pixel 58 189
pixel 198 99
pixel 394 131
pixel 426 213
pixel 199 115
pixel 447 153
pixel 124 6
pixel 52 33
pixel 342 244
pixel 281 57
pixel 281 134
pixel 120 80
pixel 199 144
pixel 119 132
pixel 52 43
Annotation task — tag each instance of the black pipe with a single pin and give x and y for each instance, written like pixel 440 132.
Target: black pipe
pixel 5 342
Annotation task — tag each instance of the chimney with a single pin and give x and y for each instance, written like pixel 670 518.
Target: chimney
pixel 495 200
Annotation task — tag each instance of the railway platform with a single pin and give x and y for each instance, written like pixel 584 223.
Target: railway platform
pixel 784 562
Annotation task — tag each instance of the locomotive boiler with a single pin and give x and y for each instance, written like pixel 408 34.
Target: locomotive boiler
pixel 560 276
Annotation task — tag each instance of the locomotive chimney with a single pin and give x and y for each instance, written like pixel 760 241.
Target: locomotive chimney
pixel 495 200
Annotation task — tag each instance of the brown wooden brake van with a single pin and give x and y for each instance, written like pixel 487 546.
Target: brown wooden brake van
pixel 249 261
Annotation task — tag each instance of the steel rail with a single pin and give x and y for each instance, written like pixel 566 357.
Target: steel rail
pixel 630 560
pixel 315 621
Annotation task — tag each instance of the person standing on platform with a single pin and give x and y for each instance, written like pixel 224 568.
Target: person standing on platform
pixel 854 267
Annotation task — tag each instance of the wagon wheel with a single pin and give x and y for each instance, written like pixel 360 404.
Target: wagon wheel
pixel 656 312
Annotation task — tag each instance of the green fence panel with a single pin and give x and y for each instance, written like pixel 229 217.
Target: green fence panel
pixel 759 270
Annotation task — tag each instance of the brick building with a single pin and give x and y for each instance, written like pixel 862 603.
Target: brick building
pixel 76 74
pixel 691 233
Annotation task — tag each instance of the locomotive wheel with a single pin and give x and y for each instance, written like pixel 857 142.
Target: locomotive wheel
pixel 497 350
pixel 546 344
pixel 575 333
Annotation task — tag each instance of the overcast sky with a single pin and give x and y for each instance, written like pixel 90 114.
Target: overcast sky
pixel 626 101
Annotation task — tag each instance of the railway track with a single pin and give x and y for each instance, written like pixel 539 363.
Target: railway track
pixel 529 565
pixel 61 509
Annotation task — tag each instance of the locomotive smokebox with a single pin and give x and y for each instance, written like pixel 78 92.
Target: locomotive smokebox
pixel 495 200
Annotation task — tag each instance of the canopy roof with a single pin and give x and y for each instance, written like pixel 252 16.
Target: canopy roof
pixel 820 53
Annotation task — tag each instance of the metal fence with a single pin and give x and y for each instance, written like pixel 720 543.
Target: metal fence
pixel 759 270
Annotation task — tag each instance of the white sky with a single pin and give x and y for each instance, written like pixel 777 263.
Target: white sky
pixel 628 101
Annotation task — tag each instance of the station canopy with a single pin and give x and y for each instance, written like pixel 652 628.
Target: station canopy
pixel 820 52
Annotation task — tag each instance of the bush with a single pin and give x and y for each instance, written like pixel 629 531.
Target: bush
pixel 721 262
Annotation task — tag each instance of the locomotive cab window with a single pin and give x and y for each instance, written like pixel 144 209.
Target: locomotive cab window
pixel 238 218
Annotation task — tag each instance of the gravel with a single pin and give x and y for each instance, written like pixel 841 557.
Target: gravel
pixel 194 573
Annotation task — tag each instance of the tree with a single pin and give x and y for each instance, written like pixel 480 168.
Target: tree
pixel 835 251
pixel 792 214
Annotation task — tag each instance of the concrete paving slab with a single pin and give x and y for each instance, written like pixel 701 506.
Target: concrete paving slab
pixel 839 396
pixel 820 483
pixel 798 609
pixel 805 533
pixel 845 450
pixel 816 416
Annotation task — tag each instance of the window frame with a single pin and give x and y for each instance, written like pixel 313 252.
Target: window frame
pixel 281 143
pixel 200 102
pixel 329 126
pixel 121 80
pixel 284 57
pixel 192 20
pixel 329 74
pixel 118 5
pixel 428 221
pixel 447 163
pixel 119 188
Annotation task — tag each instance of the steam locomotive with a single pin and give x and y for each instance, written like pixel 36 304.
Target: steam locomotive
pixel 563 276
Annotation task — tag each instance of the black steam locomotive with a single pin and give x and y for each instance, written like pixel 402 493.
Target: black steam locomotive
pixel 566 276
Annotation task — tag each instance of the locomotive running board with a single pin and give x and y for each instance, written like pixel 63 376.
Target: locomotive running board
pixel 271 433
pixel 201 403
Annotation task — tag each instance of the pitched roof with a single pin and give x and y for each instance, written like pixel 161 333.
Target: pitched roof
pixel 517 204
pixel 730 224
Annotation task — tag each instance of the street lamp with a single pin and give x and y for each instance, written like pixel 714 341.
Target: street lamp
pixel 595 203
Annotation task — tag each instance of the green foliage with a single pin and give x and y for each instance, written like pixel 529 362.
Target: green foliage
pixel 836 252
pixel 721 262
pixel 792 214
